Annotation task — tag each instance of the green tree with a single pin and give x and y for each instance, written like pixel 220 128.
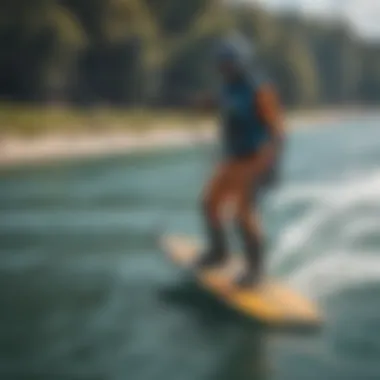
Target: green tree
pixel 44 36
pixel 294 71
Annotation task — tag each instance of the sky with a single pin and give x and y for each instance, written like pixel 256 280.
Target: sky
pixel 363 15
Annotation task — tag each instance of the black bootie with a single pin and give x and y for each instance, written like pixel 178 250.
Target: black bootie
pixel 253 250
pixel 216 253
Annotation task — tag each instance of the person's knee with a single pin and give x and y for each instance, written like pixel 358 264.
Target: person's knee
pixel 246 216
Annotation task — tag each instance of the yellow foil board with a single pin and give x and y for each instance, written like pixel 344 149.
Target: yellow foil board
pixel 271 302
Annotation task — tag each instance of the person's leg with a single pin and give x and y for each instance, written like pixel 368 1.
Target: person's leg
pixel 251 171
pixel 250 230
pixel 213 201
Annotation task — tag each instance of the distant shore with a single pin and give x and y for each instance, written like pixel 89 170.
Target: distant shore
pixel 16 149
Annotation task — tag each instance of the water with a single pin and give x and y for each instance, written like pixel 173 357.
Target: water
pixel 84 293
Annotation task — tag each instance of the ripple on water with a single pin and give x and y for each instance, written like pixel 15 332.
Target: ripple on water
pixel 85 294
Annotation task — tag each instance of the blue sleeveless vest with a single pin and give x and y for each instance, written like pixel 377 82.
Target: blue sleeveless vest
pixel 242 130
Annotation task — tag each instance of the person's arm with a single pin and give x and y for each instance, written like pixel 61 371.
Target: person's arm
pixel 271 114
pixel 270 111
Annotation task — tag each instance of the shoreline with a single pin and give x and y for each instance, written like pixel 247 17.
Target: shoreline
pixel 18 151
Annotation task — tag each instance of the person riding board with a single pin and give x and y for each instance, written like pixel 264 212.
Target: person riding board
pixel 252 136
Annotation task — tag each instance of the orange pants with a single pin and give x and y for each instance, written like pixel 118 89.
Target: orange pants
pixel 236 181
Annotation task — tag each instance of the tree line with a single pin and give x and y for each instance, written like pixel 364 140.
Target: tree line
pixel 156 53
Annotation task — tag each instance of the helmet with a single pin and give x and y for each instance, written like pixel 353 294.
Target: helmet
pixel 235 48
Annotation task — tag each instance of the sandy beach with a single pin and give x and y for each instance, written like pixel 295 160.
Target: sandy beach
pixel 18 150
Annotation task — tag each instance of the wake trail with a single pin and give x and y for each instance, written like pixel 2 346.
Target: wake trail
pixel 338 268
